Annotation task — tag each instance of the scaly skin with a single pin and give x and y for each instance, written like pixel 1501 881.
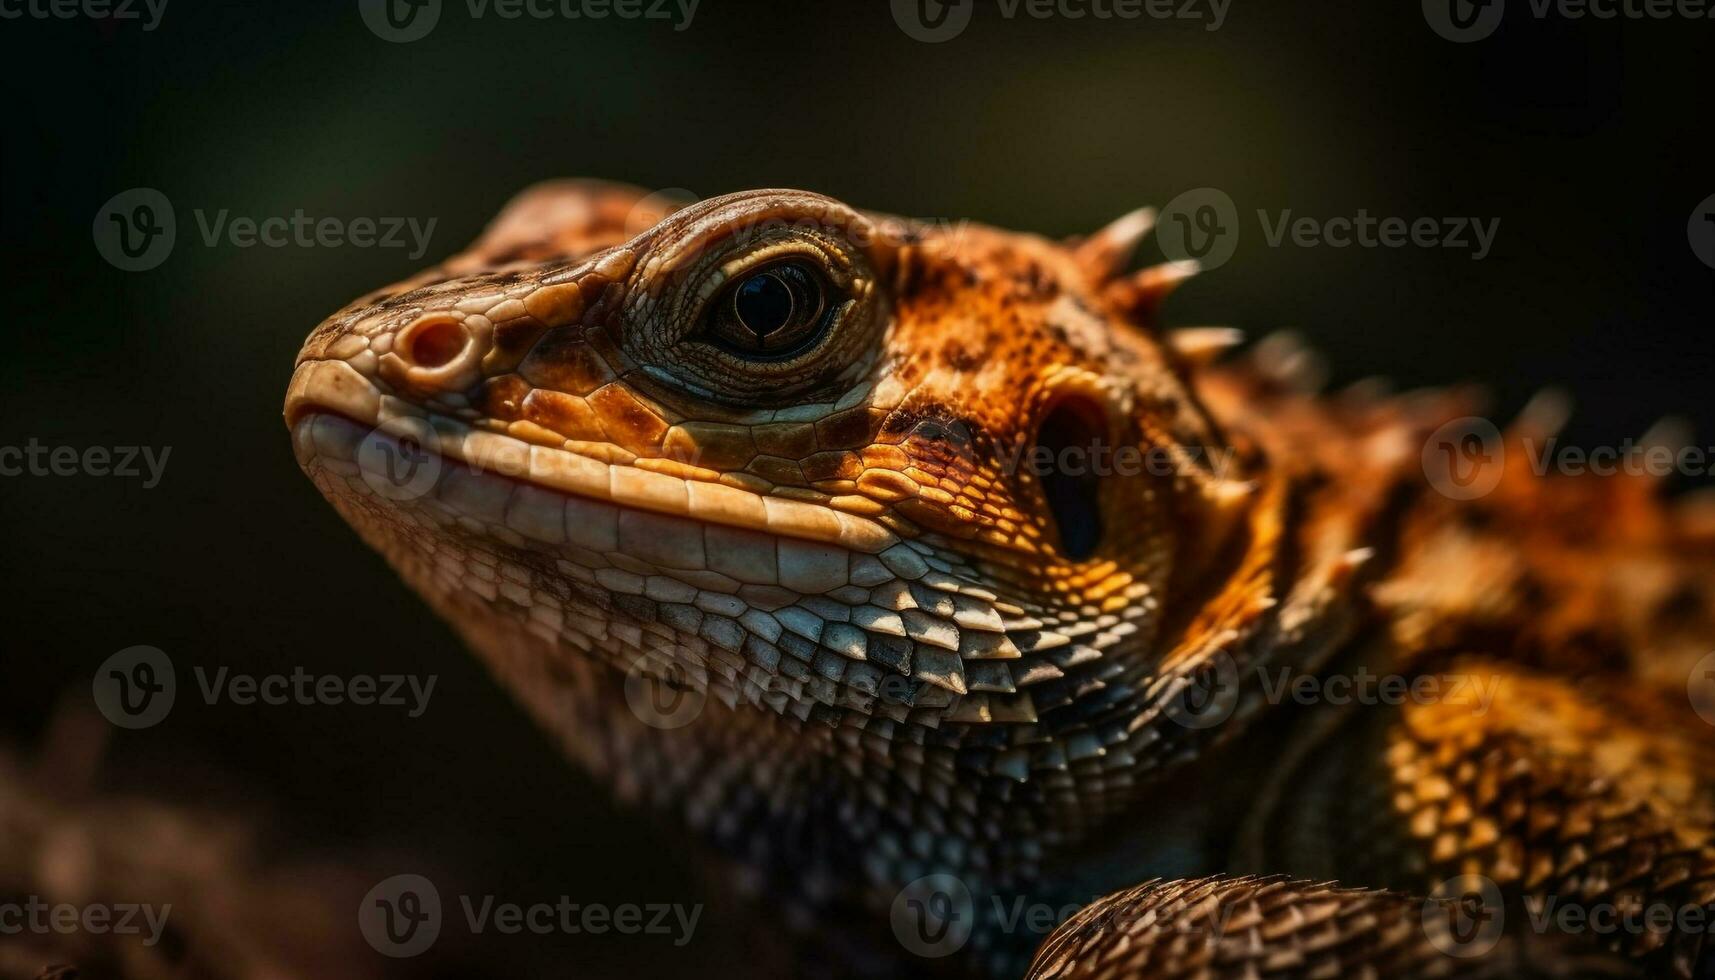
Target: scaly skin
pixel 924 654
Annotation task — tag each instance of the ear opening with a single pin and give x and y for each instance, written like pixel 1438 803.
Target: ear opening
pixel 1073 449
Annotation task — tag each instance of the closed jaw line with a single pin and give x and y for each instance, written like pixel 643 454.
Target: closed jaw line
pixel 555 497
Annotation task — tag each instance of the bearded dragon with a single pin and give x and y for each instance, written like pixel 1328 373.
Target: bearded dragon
pixel 931 583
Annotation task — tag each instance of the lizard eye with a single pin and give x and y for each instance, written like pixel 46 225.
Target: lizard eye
pixel 765 298
pixel 773 312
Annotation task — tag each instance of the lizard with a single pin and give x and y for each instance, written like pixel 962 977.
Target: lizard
pixel 921 574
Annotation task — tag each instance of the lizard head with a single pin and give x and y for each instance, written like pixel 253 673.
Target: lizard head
pixel 940 483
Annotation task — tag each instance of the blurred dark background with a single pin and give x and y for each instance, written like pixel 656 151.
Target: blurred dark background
pixel 1587 139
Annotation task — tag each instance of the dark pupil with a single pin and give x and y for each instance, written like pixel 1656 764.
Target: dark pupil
pixel 763 304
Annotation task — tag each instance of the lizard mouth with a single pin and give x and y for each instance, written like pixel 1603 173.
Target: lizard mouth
pixel 550 497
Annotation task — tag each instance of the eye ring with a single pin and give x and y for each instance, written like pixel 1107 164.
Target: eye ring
pixel 771 313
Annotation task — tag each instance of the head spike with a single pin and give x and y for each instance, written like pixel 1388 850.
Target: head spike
pixel 1105 254
pixel 1545 414
pixel 1669 432
pixel 1142 294
pixel 1283 358
pixel 1202 346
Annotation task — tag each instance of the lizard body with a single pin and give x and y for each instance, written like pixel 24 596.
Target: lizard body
pixel 842 493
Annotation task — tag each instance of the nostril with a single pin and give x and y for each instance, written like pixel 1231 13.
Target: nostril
pixel 433 342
